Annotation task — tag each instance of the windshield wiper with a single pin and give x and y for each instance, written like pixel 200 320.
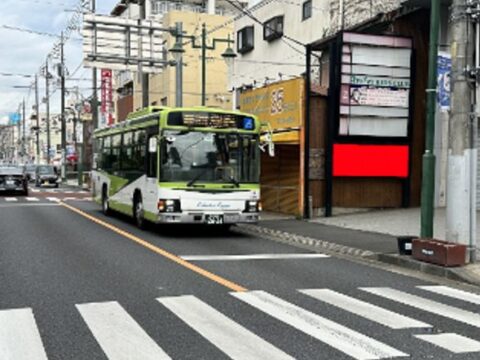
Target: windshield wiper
pixel 234 181
pixel 196 178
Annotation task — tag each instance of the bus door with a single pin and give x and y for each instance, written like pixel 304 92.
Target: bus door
pixel 151 160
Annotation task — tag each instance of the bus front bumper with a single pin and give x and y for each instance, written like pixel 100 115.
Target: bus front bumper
pixel 209 219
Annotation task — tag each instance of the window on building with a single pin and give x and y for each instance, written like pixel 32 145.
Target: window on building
pixel 307 10
pixel 245 40
pixel 273 28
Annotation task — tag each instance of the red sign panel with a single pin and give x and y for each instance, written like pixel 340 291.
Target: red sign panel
pixel 107 96
pixel 370 160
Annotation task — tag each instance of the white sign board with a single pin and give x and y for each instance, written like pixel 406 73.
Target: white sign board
pixel 123 44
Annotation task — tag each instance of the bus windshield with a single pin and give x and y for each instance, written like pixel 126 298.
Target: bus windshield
pixel 209 157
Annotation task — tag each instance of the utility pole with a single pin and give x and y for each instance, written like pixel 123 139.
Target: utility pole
pixel 62 107
pixel 462 155
pixel 179 71
pixel 94 85
pixel 47 110
pixel 428 170
pixel 204 64
pixel 23 129
pixel 37 115
pixel 145 79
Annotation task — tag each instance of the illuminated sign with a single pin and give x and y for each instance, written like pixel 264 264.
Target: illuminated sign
pixel 210 120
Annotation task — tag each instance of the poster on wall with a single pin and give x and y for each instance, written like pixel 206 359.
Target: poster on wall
pixel 444 68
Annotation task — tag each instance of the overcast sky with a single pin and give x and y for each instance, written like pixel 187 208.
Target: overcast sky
pixel 24 53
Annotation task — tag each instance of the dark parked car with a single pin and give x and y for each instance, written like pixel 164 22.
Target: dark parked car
pixel 46 175
pixel 31 172
pixel 13 178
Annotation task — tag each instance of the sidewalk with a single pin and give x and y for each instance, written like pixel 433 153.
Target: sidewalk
pixel 370 234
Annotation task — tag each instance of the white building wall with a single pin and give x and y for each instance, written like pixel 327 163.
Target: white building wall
pixel 284 56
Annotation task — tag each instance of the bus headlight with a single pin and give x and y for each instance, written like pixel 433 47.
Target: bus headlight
pixel 169 205
pixel 253 206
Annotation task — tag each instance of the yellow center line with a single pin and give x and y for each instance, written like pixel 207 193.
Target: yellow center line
pixel 205 273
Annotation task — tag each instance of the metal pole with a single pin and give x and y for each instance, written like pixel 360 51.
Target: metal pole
pixel 428 173
pixel 179 71
pixel 47 111
pixel 62 108
pixel 145 79
pixel 204 63
pixel 37 113
pixel 461 152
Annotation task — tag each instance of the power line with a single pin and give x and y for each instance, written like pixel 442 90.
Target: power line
pixel 19 75
pixel 30 31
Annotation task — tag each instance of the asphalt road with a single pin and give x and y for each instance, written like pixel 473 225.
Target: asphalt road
pixel 75 284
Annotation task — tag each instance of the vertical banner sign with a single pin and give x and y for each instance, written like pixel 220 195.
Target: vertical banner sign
pixel 107 97
pixel 371 137
pixel 444 67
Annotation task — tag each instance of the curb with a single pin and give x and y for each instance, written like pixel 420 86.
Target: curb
pixel 290 238
pixel 456 274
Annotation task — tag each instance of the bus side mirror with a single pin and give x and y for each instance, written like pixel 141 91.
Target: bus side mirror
pixel 152 144
pixel 266 140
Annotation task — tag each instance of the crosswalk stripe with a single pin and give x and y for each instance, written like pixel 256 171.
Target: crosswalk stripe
pixel 52 198
pixel 361 308
pixel 427 305
pixel 452 342
pixel 230 337
pixel 19 336
pixel 11 199
pixel 32 199
pixel 453 293
pixel 118 334
pixel 348 341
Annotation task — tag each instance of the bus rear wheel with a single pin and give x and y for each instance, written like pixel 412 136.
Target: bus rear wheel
pixel 138 213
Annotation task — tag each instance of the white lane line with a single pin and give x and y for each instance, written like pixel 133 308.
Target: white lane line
pixel 364 309
pixel 52 198
pixel 453 293
pixel 118 334
pixel 231 338
pixel 427 305
pixel 19 336
pixel 11 199
pixel 452 342
pixel 26 205
pixel 345 340
pixel 252 257
pixel 32 199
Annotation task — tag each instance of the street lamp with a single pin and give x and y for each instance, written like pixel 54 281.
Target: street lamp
pixel 177 51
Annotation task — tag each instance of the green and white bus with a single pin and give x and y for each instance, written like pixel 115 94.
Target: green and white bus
pixel 180 165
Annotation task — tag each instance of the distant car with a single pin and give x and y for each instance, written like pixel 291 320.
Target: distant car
pixel 30 168
pixel 46 175
pixel 13 178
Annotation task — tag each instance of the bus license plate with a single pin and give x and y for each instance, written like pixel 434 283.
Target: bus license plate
pixel 214 219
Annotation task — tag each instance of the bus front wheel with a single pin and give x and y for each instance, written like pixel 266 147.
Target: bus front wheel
pixel 105 206
pixel 138 212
